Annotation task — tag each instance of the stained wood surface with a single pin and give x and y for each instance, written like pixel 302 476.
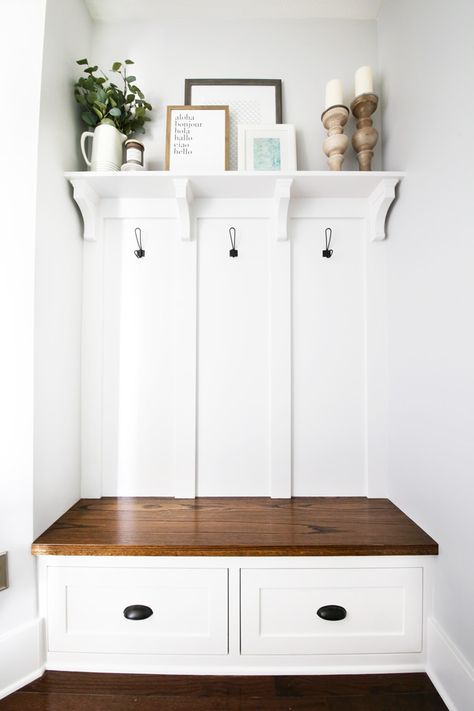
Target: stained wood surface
pixel 69 691
pixel 234 527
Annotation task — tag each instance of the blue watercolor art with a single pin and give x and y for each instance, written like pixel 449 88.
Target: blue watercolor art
pixel 266 154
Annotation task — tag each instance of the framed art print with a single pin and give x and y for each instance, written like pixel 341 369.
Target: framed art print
pixel 267 148
pixel 250 101
pixel 197 138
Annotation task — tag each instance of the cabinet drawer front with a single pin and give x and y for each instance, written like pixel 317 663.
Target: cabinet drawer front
pixel 86 610
pixel 383 611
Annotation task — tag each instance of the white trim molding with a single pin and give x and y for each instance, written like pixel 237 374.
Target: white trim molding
pixel 449 670
pixel 23 656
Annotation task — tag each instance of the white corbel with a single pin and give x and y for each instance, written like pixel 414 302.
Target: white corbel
pixel 184 197
pixel 88 203
pixel 379 202
pixel 282 197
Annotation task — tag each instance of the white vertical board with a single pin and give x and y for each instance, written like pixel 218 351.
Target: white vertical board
pixel 185 384
pixel 328 359
pixel 233 359
pixel 140 358
pixel 280 368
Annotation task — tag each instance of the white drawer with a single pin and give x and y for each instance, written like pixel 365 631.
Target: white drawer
pixel 86 610
pixel 383 606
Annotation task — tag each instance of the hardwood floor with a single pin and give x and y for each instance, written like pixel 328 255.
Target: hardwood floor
pixel 67 691
pixel 324 526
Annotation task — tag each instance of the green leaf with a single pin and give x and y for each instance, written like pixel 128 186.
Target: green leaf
pixel 116 66
pixel 91 97
pixel 88 118
pixel 97 112
pixel 130 98
pixel 82 61
pixel 129 61
pixel 91 70
pixel 131 78
pixel 115 112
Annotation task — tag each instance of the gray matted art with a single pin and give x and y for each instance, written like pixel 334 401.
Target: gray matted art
pixel 250 101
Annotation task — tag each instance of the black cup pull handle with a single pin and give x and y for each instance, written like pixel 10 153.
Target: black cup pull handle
pixel 137 612
pixel 332 612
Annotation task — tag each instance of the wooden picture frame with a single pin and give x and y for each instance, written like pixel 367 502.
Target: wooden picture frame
pixel 197 138
pixel 251 101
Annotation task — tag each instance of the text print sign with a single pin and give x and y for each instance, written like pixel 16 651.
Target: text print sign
pixel 197 138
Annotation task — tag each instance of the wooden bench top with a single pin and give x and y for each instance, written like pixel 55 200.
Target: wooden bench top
pixel 303 526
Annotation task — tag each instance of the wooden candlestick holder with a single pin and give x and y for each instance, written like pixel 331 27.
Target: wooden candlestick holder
pixel 365 137
pixel 334 119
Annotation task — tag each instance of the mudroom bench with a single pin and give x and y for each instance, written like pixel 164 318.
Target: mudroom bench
pixel 235 585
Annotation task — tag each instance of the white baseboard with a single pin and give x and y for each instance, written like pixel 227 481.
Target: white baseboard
pixel 22 655
pixel 449 671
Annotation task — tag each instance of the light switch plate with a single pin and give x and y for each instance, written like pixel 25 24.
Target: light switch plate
pixel 3 571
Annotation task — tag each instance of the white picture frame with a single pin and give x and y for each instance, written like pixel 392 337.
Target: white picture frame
pixel 197 138
pixel 270 147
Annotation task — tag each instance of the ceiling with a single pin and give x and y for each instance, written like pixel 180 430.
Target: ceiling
pixel 115 10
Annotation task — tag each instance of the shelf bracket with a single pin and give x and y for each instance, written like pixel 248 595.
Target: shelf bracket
pixel 379 202
pixel 282 197
pixel 88 202
pixel 184 197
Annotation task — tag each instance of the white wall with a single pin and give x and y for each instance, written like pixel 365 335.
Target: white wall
pixel 39 308
pixel 303 53
pixel 21 48
pixel 428 105
pixel 58 289
pixel 20 52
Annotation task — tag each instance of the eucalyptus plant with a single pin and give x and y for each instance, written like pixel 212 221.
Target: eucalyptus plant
pixel 103 101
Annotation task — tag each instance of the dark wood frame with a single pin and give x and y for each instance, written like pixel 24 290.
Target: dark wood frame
pixel 170 109
pixel 189 83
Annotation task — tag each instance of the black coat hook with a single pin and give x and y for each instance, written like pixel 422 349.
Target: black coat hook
pixel 232 234
pixel 140 252
pixel 328 237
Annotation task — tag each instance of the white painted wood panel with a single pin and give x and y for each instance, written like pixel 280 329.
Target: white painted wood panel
pixel 139 332
pixel 279 611
pixel 233 359
pixel 85 610
pixel 129 569
pixel 328 358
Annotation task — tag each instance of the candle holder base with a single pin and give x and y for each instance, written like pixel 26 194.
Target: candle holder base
pixel 365 137
pixel 335 145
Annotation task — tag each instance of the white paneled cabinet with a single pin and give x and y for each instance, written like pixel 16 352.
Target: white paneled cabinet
pixel 235 615
pixel 261 375
pixel 188 610
pixel 382 608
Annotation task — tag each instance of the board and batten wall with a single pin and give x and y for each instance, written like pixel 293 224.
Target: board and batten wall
pixel 430 255
pixel 234 302
pixel 229 320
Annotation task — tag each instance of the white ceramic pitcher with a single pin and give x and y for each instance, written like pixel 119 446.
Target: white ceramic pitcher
pixel 107 142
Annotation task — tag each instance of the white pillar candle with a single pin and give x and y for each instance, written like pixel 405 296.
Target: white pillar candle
pixel 334 95
pixel 364 81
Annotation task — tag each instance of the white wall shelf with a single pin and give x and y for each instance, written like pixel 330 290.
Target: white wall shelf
pixel 371 194
pixel 277 294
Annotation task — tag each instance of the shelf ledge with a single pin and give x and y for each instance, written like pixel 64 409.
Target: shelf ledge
pixel 374 192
